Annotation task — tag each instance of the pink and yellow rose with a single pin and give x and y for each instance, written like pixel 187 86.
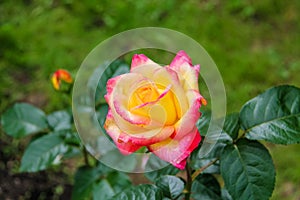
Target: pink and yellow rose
pixel 156 107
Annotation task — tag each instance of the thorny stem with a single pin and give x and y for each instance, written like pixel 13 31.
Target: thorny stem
pixel 189 182
pixel 199 171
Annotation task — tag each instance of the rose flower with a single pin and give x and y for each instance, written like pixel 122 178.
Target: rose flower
pixel 156 107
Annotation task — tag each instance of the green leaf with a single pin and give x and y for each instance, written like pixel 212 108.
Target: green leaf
pixel 118 160
pixel 248 171
pixel 118 180
pixel 103 169
pixel 23 119
pixel 273 116
pixel 114 183
pixel 206 187
pixel 229 133
pixel 72 138
pixel 101 112
pixel 116 68
pixel 102 190
pixel 225 194
pixel 85 178
pixel 99 182
pixel 197 162
pixel 203 122
pixel 231 126
pixel 60 120
pixel 168 170
pixel 140 192
pixel 43 152
pixel 171 186
pixel 154 163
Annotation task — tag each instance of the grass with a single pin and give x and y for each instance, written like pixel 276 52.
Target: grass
pixel 255 46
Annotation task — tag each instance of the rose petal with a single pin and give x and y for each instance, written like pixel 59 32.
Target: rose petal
pixel 117 98
pixel 140 59
pixel 181 58
pixel 147 70
pixel 133 141
pixel 114 132
pixel 189 119
pixel 188 74
pixel 177 151
pixel 110 85
pixel 166 76
pixel 148 137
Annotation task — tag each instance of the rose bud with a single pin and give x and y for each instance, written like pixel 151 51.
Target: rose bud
pixel 60 75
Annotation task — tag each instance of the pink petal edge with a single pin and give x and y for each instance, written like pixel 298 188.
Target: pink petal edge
pixel 181 58
pixel 177 151
pixel 138 60
pixel 110 85
pixel 189 119
pixel 146 140
pixel 114 132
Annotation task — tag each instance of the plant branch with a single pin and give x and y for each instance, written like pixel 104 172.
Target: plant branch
pixel 188 182
pixel 199 171
pixel 85 155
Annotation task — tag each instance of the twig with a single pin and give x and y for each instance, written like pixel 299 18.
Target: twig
pixel 189 182
pixel 85 155
pixel 199 171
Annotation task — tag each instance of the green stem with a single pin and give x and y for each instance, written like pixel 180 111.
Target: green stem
pixel 199 171
pixel 188 181
pixel 85 155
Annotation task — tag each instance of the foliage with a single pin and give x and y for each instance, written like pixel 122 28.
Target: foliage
pixel 243 162
pixel 254 44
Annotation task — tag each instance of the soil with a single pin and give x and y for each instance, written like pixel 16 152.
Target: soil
pixel 43 185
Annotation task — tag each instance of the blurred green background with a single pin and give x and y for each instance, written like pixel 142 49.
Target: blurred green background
pixel 255 44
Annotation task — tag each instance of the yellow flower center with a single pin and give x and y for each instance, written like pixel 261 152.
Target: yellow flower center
pixel 143 100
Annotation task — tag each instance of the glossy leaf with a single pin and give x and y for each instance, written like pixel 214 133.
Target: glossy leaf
pixel 231 126
pixel 229 133
pixel 99 182
pixel 225 194
pixel 102 190
pixel 248 171
pixel 23 119
pixel 171 186
pixel 118 160
pixel 43 152
pixel 112 184
pixel 72 138
pixel 140 192
pixel 203 122
pixel 196 162
pixel 60 120
pixel 206 187
pixel 273 116
pixel 116 68
pixel 118 180
pixel 85 179
pixel 101 112
pixel 168 170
